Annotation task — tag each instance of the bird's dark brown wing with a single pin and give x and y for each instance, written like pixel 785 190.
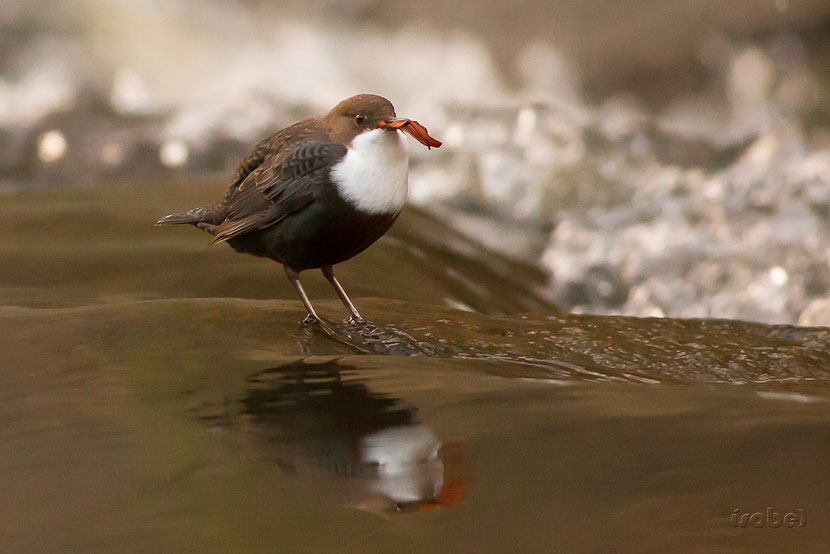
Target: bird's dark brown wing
pixel 253 159
pixel 281 185
pixel 305 130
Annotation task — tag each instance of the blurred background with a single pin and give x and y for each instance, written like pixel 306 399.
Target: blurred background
pixel 657 158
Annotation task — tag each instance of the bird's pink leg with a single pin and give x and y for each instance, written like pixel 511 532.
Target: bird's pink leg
pixel 294 277
pixel 328 272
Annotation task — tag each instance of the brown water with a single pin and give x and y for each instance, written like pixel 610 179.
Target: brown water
pixel 160 395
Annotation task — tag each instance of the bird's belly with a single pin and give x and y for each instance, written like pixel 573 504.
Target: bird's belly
pixel 313 238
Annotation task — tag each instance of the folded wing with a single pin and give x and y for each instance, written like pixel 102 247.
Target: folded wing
pixel 279 186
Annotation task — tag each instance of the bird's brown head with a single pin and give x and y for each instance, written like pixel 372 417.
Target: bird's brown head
pixel 366 112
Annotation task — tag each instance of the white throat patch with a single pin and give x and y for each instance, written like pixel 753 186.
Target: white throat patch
pixel 372 176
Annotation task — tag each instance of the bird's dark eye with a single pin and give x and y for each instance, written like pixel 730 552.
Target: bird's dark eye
pixel 359 118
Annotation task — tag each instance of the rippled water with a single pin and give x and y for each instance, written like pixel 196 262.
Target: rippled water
pixel 160 395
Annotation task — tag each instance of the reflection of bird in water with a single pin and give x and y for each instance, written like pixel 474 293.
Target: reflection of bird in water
pixel 324 423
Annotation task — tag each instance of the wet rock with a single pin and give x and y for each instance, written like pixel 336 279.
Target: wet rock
pixel 529 346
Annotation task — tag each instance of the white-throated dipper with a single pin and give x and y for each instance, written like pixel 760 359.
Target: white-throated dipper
pixel 317 192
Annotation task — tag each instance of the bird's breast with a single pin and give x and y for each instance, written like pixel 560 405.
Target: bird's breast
pixel 372 176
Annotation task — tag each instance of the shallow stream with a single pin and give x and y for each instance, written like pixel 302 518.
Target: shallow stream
pixel 161 395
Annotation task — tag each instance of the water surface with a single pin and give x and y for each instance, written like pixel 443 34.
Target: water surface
pixel 160 395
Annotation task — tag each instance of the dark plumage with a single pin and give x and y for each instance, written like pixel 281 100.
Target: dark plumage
pixel 286 204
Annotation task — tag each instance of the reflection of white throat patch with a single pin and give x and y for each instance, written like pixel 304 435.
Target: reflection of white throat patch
pixel 372 176
pixel 406 457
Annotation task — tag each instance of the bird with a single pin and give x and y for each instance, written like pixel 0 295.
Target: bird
pixel 317 192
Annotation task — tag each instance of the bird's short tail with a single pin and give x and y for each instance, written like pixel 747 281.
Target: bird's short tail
pixel 194 217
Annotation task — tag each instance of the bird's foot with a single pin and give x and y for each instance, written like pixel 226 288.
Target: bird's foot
pixel 311 320
pixel 358 322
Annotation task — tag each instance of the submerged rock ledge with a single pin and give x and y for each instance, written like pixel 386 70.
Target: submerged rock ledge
pixel 530 346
